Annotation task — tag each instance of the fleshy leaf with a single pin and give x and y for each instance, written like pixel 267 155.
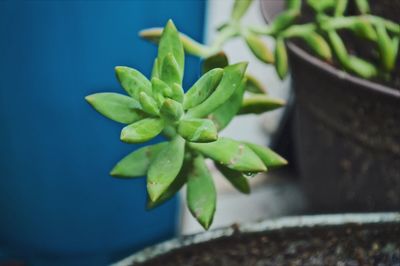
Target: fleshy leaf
pixel 318 45
pixel 165 167
pixel 364 29
pixel 281 59
pixel 293 4
pixel 171 110
pixel 160 89
pixel 175 186
pixel 148 104
pixel 338 47
pixel 386 52
pixel 132 81
pixel 270 158
pixel 253 85
pixel 155 72
pixel 197 130
pixel 259 104
pixel 284 20
pixel 170 72
pixel 230 81
pixel 232 154
pixel 142 130
pixel 239 8
pixel 320 6
pixel 363 6
pixel 171 44
pixel 361 67
pixel 189 45
pixel 177 92
pixel 350 63
pixel 218 60
pixel 226 112
pixel 202 88
pixel 201 193
pixel 117 107
pixel 259 48
pixel 237 179
pixel 137 163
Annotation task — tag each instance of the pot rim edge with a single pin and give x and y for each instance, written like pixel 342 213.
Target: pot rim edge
pixel 299 222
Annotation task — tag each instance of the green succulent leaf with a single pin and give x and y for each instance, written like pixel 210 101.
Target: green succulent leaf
pixel 362 6
pixel 239 8
pixel 189 45
pixel 155 72
pixel 202 88
pixel 281 59
pixel 340 7
pixel 165 167
pixel 132 81
pixel 230 81
pixel 338 47
pixel 201 193
pixel 253 85
pixel 270 158
pixel 148 104
pixel 175 186
pixel 224 114
pixel 284 20
pixel 218 60
pixel 293 4
pixel 259 104
pixel 232 154
pixel 318 44
pixel 197 130
pixel 177 92
pixel 361 67
pixel 170 43
pixel 237 179
pixel 137 163
pixel 160 90
pixel 142 130
pixel 171 110
pixel 364 29
pixel 386 51
pixel 117 107
pixel 321 5
pixel 351 63
pixel 170 72
pixel 259 48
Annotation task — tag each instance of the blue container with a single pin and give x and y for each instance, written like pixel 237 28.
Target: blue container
pixel 58 205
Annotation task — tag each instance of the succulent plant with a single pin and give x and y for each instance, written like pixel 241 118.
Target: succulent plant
pixel 190 123
pixel 321 36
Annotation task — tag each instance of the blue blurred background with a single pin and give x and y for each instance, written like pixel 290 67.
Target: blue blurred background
pixel 58 205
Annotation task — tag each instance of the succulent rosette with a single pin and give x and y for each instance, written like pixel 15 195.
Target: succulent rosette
pixel 190 123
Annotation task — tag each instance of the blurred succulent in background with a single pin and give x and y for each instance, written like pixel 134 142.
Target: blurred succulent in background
pixel 189 121
pixel 321 36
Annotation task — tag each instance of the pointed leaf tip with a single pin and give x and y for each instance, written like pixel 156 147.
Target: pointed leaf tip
pixel 117 107
pixel 142 130
pixel 137 162
pixel 165 167
pixel 201 193
pixel 232 154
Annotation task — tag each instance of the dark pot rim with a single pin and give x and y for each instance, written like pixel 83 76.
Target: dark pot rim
pixel 332 70
pixel 294 222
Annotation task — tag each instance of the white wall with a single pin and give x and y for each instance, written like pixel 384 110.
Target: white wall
pixel 249 127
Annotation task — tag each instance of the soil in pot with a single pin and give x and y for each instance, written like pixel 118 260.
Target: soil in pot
pixel 348 245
